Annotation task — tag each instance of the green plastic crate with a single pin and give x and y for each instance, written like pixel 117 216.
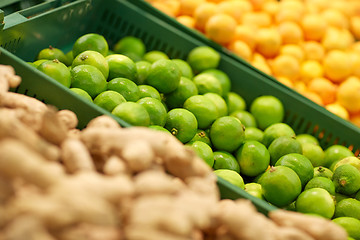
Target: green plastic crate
pixel 114 19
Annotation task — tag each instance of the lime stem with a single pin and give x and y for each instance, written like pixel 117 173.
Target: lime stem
pixel 342 182
pixel 174 131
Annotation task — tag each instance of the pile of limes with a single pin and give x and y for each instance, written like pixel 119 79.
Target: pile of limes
pixel 191 99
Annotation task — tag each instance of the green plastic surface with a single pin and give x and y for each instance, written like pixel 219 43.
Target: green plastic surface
pixel 114 19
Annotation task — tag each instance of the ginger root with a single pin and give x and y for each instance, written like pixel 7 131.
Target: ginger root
pixel 75 156
pixel 68 118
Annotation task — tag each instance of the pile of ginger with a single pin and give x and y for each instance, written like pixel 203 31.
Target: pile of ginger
pixel 106 182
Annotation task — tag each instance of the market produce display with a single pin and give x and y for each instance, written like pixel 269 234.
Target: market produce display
pixel 109 182
pixel 310 46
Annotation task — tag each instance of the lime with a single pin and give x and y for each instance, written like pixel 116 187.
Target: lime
pixel 231 176
pixel 158 128
pixel 132 113
pixel 164 75
pixel 335 153
pixel 203 136
pixel 130 46
pixel 338 197
pixel 346 179
pixel 143 69
pixel 235 102
pixel 108 100
pixel 202 58
pixel 316 200
pixel 307 138
pixel 121 66
pixel 348 207
pixel 38 62
pixel 225 160
pixel 186 89
pixel 280 185
pixel 348 160
pixel 314 153
pixel 69 58
pixel 92 58
pixel 253 158
pixel 357 195
pixel 252 133
pixel 156 110
pixel 153 56
pixel 148 91
pixel 321 182
pixel 90 41
pixel 182 124
pixel 323 172
pixel 219 103
pixel 254 189
pixel 203 108
pixel 125 87
pixel 203 151
pixel 281 146
pixel 32 64
pixel 267 110
pixel 82 93
pixel 300 164
pixel 206 83
pixel 276 130
pixel 184 67
pixel 246 118
pixel 227 133
pixel 350 224
pixel 52 53
pixel 56 70
pixel 223 79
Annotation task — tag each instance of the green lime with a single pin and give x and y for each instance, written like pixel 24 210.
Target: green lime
pixel 158 128
pixel 207 83
pixel 223 79
pixel 323 172
pixel 148 91
pixel 184 67
pixel 130 46
pixel 69 58
pixel 90 41
pixel 321 182
pixel 231 176
pixel 164 75
pixel 225 160
pixel 357 195
pixel 348 207
pixel 93 58
pixel 153 56
pixel 348 160
pixel 156 110
pixel 182 124
pixel 245 117
pixel 32 64
pixel 280 185
pixel 88 78
pixel 307 138
pixel 253 158
pixel 227 133
pixel 281 146
pixel 300 164
pixel 254 189
pixel 186 89
pixel 203 136
pixel 203 151
pixel 52 53
pixel 314 153
pixel 132 113
pixel 350 224
pixel 267 110
pixel 82 93
pixel 38 62
pixel 252 133
pixel 219 103
pixel 338 197
pixel 235 102
pixel 346 179
pixel 276 130
pixel 108 100
pixel 335 153
pixel 57 70
pixel 203 108
pixel 121 66
pixel 125 87
pixel 316 200
pixel 202 58
pixel 143 69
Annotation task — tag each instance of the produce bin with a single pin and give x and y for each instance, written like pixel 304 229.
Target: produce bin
pixel 26 35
